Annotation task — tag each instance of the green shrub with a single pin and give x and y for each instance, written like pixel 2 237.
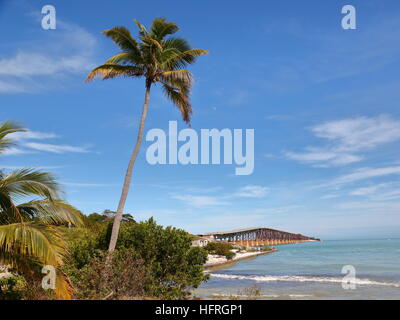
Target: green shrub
pixel 116 276
pixel 12 288
pixel 221 249
pixel 174 266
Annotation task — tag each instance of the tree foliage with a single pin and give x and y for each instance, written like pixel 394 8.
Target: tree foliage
pixel 156 55
pixel 119 275
pixel 221 249
pixel 173 266
pixel 29 238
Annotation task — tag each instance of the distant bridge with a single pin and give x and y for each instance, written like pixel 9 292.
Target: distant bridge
pixel 257 237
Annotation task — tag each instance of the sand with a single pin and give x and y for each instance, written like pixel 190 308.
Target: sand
pixel 215 261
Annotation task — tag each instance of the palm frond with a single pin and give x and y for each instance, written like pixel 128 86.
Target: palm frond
pixel 64 288
pixel 151 40
pixel 179 80
pixel 32 240
pixel 28 182
pixel 9 212
pixel 124 58
pixel 161 28
pixel 172 59
pixel 31 265
pixel 7 128
pixel 142 29
pixel 54 212
pixel 183 76
pixel 179 44
pixel 123 38
pixel 108 71
pixel 180 99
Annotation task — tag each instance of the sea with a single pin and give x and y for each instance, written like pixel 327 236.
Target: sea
pixel 338 270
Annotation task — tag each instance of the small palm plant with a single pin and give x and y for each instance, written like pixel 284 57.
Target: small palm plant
pixel 29 238
pixel 157 57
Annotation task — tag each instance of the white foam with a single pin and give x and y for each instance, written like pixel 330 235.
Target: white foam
pixel 361 282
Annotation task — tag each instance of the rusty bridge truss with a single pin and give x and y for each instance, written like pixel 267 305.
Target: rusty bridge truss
pixel 258 237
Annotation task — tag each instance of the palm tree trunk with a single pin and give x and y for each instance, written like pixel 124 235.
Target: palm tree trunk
pixel 128 175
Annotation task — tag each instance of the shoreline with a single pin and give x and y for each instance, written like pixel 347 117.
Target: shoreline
pixel 218 262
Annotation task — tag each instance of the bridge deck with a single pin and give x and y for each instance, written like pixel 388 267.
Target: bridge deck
pixel 242 230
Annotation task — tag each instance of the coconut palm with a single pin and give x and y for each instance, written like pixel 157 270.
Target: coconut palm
pixel 158 57
pixel 29 238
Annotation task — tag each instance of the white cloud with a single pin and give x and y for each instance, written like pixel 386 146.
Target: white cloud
pixel 323 158
pixel 278 210
pixel 252 191
pixel 364 191
pixel 380 192
pixel 366 173
pixel 79 184
pixel 25 140
pixel 351 135
pixel 32 135
pixel 347 138
pixel 7 87
pixel 14 151
pixel 370 205
pixel 387 196
pixel 54 148
pixel 49 61
pixel 12 167
pixel 200 201
pixel 329 196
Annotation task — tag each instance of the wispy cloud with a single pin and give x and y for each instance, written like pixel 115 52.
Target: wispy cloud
pixel 12 167
pixel 249 191
pixel 329 196
pixel 32 135
pixel 12 151
pixel 348 138
pixel 370 205
pixel 200 201
pixel 364 191
pixel 379 192
pixel 332 56
pixel 350 135
pixel 252 191
pixel 40 65
pixel 6 87
pixel 95 185
pixel 323 158
pixel 27 144
pixel 54 148
pixel 70 53
pixel 365 173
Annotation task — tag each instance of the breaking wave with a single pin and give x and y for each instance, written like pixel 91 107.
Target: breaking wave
pixel 360 282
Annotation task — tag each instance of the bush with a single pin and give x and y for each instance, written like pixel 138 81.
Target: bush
pixel 173 266
pixel 221 249
pixel 12 288
pixel 122 274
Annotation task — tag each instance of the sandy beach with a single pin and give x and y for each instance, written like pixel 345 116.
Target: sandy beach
pixel 216 261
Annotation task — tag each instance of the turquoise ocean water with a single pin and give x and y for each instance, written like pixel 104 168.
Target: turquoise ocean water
pixel 313 270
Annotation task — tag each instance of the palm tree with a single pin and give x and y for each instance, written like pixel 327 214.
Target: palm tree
pixel 160 58
pixel 29 238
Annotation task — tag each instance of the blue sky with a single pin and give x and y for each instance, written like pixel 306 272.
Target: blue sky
pixel 323 102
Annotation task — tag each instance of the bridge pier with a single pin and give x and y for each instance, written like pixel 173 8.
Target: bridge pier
pixel 258 237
